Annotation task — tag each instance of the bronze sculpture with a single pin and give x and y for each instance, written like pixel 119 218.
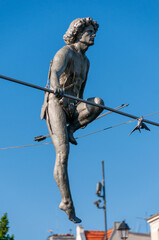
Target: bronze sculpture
pixel 68 74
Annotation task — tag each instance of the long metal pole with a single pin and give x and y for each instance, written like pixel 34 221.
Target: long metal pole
pixel 78 99
pixel 104 199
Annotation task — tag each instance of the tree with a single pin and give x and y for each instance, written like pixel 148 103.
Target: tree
pixel 4 227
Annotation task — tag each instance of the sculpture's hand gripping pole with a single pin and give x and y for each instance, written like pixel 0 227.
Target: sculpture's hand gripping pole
pixel 78 99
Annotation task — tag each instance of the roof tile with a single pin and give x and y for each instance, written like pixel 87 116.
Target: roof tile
pixel 97 235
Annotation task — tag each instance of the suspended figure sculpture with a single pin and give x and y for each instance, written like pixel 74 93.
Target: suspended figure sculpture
pixel 68 74
pixel 64 108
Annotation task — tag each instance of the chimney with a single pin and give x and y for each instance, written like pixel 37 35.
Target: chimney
pixel 80 235
pixel 116 225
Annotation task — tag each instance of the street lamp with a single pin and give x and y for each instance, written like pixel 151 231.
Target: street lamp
pixel 124 230
pixel 100 191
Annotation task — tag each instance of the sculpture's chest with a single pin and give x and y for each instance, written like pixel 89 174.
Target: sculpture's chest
pixel 78 65
pixel 75 74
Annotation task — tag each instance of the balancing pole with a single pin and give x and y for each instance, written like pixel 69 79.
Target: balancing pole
pixel 78 99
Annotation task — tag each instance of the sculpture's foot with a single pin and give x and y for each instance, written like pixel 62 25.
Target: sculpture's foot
pixel 70 212
pixel 74 219
pixel 71 137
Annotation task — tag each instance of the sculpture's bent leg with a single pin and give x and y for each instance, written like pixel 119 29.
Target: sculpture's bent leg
pixel 84 115
pixel 56 122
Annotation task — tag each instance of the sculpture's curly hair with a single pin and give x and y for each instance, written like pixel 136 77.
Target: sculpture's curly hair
pixel 76 27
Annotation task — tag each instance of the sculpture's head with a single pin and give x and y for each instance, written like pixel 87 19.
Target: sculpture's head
pixel 81 29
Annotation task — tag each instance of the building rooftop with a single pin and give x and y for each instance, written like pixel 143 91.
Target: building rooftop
pixel 62 236
pixel 97 235
pixel 153 217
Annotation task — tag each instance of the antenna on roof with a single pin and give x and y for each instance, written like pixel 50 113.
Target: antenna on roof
pixel 145 219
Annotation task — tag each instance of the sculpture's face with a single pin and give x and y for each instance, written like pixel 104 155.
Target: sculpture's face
pixel 88 35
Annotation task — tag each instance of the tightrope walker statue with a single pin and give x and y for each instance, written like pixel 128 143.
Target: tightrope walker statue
pixel 68 74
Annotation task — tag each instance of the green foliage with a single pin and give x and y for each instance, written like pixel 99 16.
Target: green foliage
pixel 4 227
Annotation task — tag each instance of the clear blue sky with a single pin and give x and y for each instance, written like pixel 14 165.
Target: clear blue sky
pixel 124 69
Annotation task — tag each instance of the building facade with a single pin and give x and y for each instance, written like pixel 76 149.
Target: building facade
pixel 112 234
pixel 154 226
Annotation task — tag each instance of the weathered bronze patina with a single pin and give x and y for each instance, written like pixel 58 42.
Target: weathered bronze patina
pixel 68 74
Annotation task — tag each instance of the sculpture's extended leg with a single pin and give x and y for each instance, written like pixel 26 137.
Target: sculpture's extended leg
pixel 56 122
pixel 84 115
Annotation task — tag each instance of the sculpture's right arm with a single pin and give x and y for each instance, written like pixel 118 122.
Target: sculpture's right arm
pixel 59 65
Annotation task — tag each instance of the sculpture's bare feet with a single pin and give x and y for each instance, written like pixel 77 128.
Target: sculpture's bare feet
pixel 73 218
pixel 71 137
pixel 70 212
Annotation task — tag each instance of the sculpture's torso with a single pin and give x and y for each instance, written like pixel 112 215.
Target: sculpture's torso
pixel 73 77
pixel 75 73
